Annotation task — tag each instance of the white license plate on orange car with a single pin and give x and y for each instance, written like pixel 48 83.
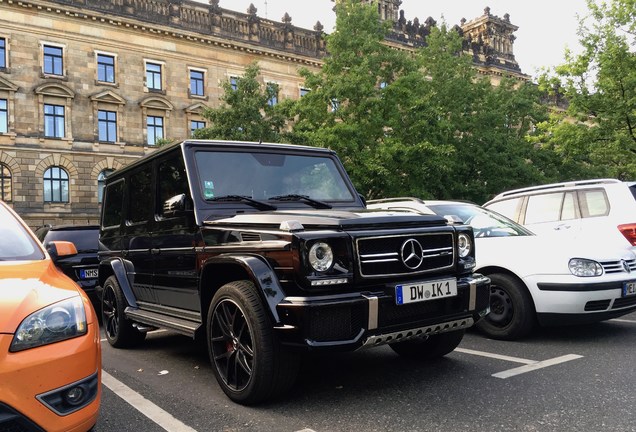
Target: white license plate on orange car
pixel 629 288
pixel 423 291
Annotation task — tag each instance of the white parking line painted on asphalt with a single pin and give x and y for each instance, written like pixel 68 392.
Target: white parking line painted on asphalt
pixel 144 406
pixel 537 365
pixel 495 356
pixel 623 320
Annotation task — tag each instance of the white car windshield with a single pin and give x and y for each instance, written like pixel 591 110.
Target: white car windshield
pixel 485 223
pixel 16 244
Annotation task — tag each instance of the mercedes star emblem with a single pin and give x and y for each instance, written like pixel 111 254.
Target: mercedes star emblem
pixel 412 253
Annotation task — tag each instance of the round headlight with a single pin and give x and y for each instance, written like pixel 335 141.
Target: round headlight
pixel 585 268
pixel 465 245
pixel 321 256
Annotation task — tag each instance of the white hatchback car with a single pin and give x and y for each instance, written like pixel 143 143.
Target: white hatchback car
pixel 537 278
pixel 598 210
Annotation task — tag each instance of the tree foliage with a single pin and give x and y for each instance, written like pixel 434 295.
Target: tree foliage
pixel 421 123
pixel 245 113
pixel 596 135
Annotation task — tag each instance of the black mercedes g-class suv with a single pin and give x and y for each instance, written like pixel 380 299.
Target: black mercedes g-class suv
pixel 265 250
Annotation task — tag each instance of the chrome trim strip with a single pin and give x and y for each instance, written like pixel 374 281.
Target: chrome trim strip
pixel 388 254
pixel 472 300
pixel 373 311
pixel 404 335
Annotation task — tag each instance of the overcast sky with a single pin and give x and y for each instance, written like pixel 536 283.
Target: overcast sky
pixel 546 27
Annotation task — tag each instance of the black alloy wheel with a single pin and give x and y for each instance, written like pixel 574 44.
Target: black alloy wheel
pixel 232 345
pixel 248 361
pixel 120 332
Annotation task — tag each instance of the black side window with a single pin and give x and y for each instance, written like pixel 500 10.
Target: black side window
pixel 113 204
pixel 172 182
pixel 140 196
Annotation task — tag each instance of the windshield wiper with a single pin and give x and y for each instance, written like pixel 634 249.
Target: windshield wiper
pixel 295 197
pixel 241 198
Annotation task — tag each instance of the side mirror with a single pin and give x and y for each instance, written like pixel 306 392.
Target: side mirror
pixel 59 248
pixel 175 205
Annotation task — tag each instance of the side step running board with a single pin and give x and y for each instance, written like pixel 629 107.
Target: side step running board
pixel 154 319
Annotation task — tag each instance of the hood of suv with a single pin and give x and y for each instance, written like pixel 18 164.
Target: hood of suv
pixel 28 286
pixel 333 219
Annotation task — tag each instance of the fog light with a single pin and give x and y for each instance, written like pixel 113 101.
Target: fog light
pixel 74 396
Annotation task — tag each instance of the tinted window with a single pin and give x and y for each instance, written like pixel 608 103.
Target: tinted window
pixel 544 208
pixel 263 175
pixel 172 181
pixel 113 204
pixel 85 240
pixel 140 202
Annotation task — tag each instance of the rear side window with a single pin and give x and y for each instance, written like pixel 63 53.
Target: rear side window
pixel 140 203
pixel 113 204
pixel 544 208
pixel 594 203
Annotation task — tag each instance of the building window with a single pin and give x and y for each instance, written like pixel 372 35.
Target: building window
pixel 107 126
pixel 234 83
pixel 196 83
pixel 4 116
pixel 196 124
pixel 153 76
pixel 56 185
pixel 303 92
pixel 5 183
pixel 53 64
pixel 272 91
pixel 155 129
pixel 101 180
pixel 3 53
pixel 105 68
pixel 54 121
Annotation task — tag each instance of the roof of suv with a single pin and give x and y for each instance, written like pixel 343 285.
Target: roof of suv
pixel 555 186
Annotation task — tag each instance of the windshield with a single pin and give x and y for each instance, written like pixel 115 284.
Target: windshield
pixel 485 223
pixel 265 176
pixel 16 244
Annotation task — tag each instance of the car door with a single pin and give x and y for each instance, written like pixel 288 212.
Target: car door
pixel 552 213
pixel 174 237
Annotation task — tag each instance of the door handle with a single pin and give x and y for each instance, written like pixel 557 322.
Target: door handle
pixel 155 251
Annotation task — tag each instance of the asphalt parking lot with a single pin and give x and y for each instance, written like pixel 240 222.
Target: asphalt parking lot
pixel 559 379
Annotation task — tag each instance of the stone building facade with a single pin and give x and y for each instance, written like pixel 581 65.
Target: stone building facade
pixel 88 86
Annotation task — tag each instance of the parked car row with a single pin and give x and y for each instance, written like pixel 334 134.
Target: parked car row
pixel 537 279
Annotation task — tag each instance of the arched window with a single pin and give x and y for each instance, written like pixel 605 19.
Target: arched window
pixel 55 185
pixel 101 179
pixel 5 183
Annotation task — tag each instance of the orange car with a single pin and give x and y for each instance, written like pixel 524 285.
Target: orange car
pixel 50 356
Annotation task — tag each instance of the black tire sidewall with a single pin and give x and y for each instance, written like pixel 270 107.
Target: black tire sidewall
pixel 524 315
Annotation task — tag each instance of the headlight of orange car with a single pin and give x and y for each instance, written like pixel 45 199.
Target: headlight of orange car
pixel 54 323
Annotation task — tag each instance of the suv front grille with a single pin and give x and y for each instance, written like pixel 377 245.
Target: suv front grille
pixel 385 256
pixel 618 266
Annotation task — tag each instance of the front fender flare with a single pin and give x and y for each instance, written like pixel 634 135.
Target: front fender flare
pixel 261 274
pixel 121 269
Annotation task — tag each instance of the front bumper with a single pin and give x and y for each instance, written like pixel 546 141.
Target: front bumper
pixel 563 299
pixel 355 320
pixel 32 379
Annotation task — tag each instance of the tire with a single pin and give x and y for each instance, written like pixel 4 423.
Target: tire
pixel 247 359
pixel 433 347
pixel 119 330
pixel 512 315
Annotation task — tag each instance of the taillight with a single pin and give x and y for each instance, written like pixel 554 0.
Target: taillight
pixel 629 231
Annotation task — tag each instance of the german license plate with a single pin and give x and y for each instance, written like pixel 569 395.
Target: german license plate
pixel 424 291
pixel 629 288
pixel 88 273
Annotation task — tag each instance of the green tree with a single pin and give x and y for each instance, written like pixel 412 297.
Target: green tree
pixel 596 135
pixel 246 113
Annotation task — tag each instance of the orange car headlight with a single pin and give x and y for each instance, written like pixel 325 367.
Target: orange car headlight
pixel 54 323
